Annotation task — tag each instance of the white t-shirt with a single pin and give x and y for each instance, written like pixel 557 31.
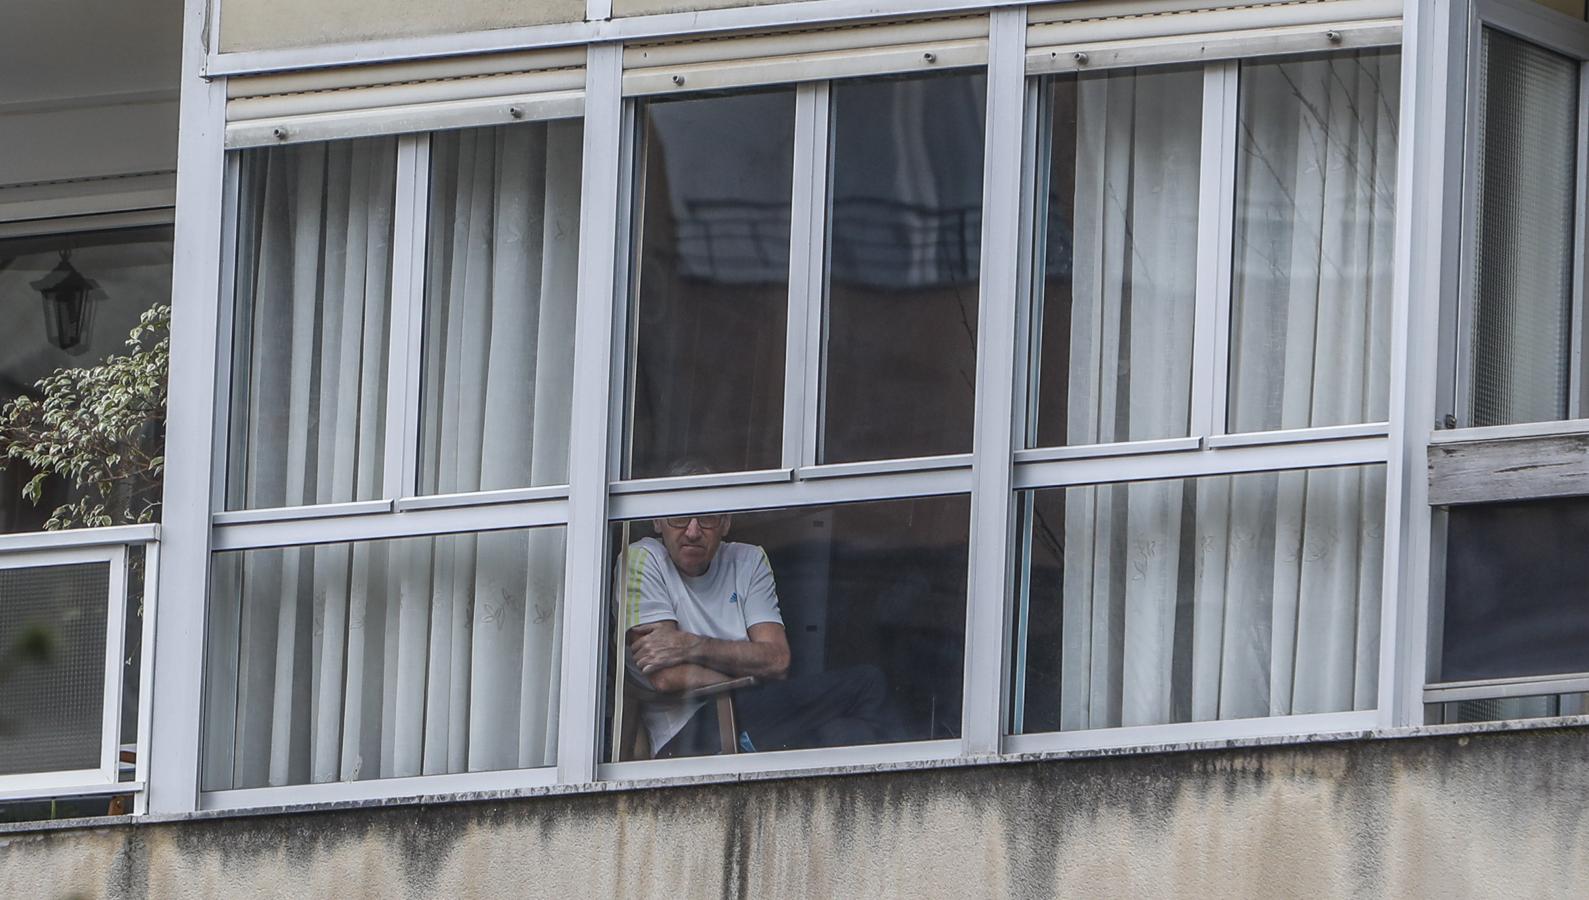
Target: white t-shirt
pixel 735 593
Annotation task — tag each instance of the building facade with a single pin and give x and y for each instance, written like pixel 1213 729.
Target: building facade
pixel 1167 413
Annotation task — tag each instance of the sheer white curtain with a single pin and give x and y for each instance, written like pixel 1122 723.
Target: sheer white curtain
pixel 1251 595
pixel 425 655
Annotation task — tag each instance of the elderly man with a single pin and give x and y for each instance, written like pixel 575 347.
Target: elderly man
pixel 699 611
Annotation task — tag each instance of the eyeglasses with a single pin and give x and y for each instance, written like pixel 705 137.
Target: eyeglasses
pixel 707 523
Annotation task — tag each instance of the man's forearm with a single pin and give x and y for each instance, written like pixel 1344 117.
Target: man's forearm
pixel 685 677
pixel 740 658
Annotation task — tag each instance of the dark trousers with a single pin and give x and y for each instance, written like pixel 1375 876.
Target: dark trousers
pixel 839 708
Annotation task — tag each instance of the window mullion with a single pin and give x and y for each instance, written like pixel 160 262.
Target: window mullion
pixel 1216 216
pixel 405 339
pixel 807 277
pixel 594 329
pixel 987 610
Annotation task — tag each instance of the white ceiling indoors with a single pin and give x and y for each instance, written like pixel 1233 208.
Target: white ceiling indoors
pixel 56 49
pixel 88 90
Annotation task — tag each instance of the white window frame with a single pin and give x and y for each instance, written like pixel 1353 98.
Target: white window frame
pixel 1209 449
pixel 991 474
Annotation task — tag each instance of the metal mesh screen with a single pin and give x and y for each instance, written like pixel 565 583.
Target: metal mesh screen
pixel 1527 107
pixel 52 666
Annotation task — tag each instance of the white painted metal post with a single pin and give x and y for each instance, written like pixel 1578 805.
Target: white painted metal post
pixel 585 583
pixel 178 647
pixel 987 608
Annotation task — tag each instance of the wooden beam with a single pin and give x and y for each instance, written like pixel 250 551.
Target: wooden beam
pixel 1527 468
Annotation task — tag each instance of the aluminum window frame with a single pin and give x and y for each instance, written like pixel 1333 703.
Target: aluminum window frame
pixel 1209 449
pixel 991 474
pixel 110 547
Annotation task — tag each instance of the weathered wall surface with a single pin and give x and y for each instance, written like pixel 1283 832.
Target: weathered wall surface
pixel 1491 815
pixel 277 24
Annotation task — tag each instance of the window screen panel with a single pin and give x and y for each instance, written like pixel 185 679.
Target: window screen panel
pixel 1517 590
pixel 1525 154
pixel 52 667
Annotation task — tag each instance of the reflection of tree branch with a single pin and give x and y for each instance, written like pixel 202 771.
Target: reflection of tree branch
pixel 971 335
pixel 1049 538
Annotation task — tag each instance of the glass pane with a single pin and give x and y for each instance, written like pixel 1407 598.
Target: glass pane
pixel 84 336
pixel 904 245
pixel 1509 708
pixel 1515 590
pixel 711 288
pixel 1315 222
pixel 500 281
pixel 52 667
pixel 1112 325
pixel 1525 156
pixel 1193 600
pixel 314 249
pixel 851 620
pixel 378 659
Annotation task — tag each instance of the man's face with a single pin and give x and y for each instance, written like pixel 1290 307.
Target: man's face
pixel 692 541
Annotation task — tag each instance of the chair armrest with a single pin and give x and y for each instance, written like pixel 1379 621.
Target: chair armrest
pixel 712 690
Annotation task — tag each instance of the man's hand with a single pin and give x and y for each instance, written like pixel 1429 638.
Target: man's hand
pixel 661 645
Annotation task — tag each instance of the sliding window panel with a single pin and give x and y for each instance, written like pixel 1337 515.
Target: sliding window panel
pixel 1526 151
pixel 904 245
pixel 849 618
pixel 1113 316
pixel 1315 216
pixel 1200 599
pixel 710 295
pixel 379 659
pixel 500 284
pixel 313 296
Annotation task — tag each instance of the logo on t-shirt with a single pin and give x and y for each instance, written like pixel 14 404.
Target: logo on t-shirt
pixel 734 597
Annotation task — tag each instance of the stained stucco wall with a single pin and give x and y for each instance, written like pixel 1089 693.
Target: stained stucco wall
pixel 1492 815
pixel 278 24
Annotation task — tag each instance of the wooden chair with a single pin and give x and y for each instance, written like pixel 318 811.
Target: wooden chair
pixel 635 743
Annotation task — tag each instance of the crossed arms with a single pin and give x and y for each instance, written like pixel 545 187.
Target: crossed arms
pixel 676 660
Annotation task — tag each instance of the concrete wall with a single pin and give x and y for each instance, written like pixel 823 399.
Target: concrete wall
pixel 277 24
pixel 1488 815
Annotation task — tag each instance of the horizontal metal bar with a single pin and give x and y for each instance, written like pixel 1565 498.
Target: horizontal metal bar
pixel 695 482
pixel 73 783
pixel 415 523
pixel 803 13
pixel 789 43
pixel 406 119
pixel 1172 49
pixel 80 537
pixel 1197 463
pixel 1507 432
pixel 482 498
pixel 1298 435
pixel 779 761
pixel 742 498
pixel 1313 725
pixel 1505 688
pixel 299 513
pixel 103 221
pixel 806 67
pixel 1494 471
pixel 884 466
pixel 378 789
pixel 1123 448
